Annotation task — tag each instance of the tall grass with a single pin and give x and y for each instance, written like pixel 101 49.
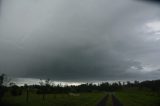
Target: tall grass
pixel 83 99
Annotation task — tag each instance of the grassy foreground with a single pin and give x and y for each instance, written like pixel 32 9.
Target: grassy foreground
pixel 139 98
pixel 83 99
pixel 127 98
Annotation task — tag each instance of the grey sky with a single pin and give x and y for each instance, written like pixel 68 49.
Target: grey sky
pixel 80 39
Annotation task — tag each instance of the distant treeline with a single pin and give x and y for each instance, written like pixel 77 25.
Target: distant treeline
pixel 45 87
pixel 153 85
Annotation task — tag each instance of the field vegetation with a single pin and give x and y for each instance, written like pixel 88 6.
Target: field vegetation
pixel 139 98
pixel 82 99
pixel 146 93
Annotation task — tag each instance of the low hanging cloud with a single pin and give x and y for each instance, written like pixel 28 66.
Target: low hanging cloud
pixel 79 40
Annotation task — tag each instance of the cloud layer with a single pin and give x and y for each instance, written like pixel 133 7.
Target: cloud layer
pixel 80 40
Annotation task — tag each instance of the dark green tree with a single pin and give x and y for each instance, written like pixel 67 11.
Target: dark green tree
pixel 2 76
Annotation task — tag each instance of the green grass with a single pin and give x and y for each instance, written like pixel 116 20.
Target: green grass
pixel 128 98
pixel 137 98
pixel 84 99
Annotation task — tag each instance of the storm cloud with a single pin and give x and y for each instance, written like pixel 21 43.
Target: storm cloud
pixel 80 40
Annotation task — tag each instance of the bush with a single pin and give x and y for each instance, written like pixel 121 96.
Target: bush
pixel 16 91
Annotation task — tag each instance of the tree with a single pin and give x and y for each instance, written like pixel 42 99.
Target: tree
pixel 44 87
pixel 1 86
pixel 16 90
pixel 2 79
pixel 27 92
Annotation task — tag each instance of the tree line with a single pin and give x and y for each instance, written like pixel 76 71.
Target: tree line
pixel 45 87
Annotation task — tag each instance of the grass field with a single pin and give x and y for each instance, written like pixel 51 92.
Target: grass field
pixel 138 98
pixel 83 99
pixel 127 98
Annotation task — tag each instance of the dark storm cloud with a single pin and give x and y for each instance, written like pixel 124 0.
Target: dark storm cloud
pixel 79 40
pixel 81 63
pixel 150 1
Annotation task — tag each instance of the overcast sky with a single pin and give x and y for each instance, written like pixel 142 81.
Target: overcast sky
pixel 80 40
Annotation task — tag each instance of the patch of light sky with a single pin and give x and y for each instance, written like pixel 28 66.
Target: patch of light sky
pixel 35 81
pixel 153 30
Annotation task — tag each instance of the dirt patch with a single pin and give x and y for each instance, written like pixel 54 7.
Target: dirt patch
pixel 116 102
pixel 103 101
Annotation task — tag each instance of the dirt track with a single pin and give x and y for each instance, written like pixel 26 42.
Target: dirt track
pixel 103 101
pixel 116 102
